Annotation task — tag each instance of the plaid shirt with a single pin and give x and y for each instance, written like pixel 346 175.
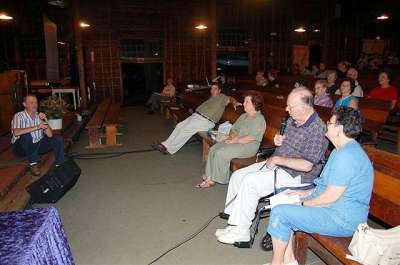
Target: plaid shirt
pixel 306 142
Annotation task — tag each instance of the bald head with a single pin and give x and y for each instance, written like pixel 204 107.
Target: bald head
pixel 301 95
pixel 300 104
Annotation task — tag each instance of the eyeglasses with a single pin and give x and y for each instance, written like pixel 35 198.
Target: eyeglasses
pixel 330 123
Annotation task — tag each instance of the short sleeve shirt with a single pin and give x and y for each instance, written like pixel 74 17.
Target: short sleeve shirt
pixel 250 126
pixel 23 120
pixel 344 101
pixel 214 107
pixel 307 142
pixel 384 93
pixel 351 168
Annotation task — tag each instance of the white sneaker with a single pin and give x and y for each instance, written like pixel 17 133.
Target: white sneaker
pixel 220 232
pixel 236 234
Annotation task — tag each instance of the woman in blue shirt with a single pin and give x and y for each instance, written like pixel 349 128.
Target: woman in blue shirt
pixel 340 200
pixel 347 99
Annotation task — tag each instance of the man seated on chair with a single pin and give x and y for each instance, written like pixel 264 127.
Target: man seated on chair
pixel 204 119
pixel 297 159
pixel 166 94
pixel 32 136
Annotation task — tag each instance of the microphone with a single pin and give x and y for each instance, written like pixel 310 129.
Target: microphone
pixel 283 127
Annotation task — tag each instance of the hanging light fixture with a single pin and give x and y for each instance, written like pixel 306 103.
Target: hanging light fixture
pixel 300 29
pixel 316 30
pixel 382 17
pixel 83 24
pixel 201 27
pixel 4 16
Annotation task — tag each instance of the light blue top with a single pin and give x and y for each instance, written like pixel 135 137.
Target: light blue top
pixel 344 101
pixel 351 168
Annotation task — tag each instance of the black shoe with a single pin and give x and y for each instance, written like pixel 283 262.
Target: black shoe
pixel 159 147
pixel 150 112
pixel 223 215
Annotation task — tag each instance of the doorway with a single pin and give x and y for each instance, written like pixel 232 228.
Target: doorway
pixel 140 80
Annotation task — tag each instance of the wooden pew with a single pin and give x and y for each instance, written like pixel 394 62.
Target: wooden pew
pixel 95 124
pixel 110 124
pixel 384 207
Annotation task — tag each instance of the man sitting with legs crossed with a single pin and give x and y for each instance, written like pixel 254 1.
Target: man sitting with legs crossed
pixel 204 119
pixel 299 155
pixel 32 136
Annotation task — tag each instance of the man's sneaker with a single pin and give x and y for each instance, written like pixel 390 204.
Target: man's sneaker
pixel 236 234
pixel 35 169
pixel 220 232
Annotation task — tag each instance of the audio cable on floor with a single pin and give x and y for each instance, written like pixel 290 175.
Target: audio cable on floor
pixel 106 155
pixel 187 239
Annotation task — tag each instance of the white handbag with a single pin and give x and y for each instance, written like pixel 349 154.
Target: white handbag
pixel 371 246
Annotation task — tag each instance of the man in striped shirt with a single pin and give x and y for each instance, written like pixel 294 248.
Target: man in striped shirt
pixel 32 136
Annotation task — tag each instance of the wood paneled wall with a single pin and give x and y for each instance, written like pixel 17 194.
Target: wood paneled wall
pixel 187 52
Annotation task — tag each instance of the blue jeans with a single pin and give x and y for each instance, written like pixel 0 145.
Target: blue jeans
pixel 287 218
pixel 25 147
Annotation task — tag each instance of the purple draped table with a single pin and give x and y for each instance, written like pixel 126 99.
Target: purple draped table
pixel 33 237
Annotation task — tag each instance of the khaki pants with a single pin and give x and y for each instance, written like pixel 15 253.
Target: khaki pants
pixel 185 130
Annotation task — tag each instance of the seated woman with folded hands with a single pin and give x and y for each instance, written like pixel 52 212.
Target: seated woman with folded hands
pixel 243 141
pixel 340 200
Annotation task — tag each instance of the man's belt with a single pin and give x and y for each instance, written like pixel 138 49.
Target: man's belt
pixel 205 117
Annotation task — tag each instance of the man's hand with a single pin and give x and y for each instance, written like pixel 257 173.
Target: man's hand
pixel 43 126
pixel 42 116
pixel 278 139
pixel 237 104
pixel 272 162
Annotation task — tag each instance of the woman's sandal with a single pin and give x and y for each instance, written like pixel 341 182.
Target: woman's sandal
pixel 205 184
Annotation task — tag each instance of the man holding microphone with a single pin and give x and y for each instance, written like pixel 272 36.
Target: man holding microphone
pixel 32 136
pixel 297 160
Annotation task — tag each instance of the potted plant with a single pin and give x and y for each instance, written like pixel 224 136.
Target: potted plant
pixel 55 109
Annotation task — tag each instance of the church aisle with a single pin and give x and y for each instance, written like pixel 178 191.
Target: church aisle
pixel 128 210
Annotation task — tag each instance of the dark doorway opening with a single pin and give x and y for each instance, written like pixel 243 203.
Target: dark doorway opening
pixel 315 54
pixel 140 81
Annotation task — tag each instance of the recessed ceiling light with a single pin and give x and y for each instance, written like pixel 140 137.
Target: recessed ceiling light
pixel 300 29
pixel 84 25
pixel 382 17
pixel 4 16
pixel 316 30
pixel 201 26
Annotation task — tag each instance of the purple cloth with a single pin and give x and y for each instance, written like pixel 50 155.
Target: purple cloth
pixel 308 142
pixel 323 101
pixel 33 237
